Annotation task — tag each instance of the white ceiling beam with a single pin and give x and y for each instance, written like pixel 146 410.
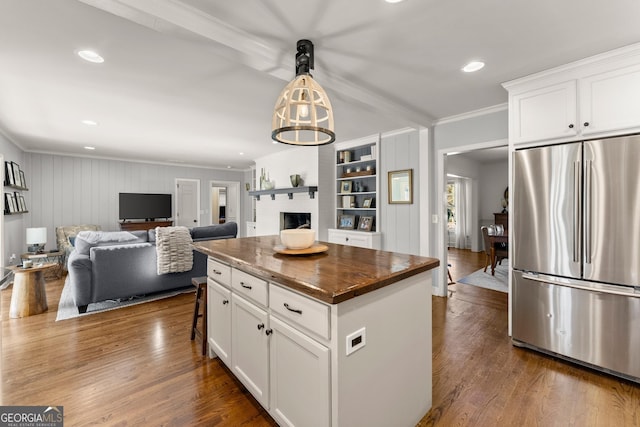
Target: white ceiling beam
pixel 171 15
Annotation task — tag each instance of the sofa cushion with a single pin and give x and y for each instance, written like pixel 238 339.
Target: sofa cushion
pixel 85 240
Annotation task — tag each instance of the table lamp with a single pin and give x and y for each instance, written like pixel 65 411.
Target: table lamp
pixel 36 239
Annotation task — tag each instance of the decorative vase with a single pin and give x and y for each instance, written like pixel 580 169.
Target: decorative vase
pixel 295 180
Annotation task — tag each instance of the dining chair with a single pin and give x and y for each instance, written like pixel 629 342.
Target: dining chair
pixel 500 251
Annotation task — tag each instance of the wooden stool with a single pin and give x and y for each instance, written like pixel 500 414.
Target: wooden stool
pixel 201 301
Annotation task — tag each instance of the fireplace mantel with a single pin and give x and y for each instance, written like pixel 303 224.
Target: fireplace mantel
pixel 288 191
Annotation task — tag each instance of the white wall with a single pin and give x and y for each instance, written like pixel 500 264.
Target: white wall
pixel 400 223
pixel 494 179
pixel 66 190
pixel 13 227
pixel 315 166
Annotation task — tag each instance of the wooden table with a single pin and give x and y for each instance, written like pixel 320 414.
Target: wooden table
pixel 493 239
pixel 29 296
pixel 56 257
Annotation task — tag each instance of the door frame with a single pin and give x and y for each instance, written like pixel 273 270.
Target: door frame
pixel 176 188
pixel 441 181
pixel 218 183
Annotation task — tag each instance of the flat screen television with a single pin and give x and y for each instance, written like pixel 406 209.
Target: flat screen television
pixel 144 206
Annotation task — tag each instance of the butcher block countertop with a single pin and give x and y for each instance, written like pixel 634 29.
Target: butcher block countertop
pixel 334 276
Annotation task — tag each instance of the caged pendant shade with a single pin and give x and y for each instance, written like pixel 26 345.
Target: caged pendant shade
pixel 303 113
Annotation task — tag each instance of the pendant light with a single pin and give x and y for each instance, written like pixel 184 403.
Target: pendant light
pixel 303 113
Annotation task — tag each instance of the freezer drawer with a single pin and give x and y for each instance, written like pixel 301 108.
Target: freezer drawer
pixel 595 327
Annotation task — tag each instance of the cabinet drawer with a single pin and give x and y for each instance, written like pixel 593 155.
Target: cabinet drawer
pixel 250 286
pixel 303 311
pixel 219 272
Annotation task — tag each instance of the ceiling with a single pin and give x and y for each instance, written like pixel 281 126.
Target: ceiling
pixel 195 81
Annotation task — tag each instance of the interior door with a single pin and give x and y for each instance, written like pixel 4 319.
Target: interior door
pixel 187 202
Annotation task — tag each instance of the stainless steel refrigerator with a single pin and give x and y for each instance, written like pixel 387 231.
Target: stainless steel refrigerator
pixel 576 252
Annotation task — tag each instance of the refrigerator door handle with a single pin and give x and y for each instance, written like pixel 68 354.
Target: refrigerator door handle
pixel 577 202
pixel 587 211
pixel 584 285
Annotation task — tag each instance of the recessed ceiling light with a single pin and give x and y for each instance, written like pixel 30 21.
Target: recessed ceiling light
pixel 393 1
pixel 241 153
pixel 473 66
pixel 89 148
pixel 90 122
pixel 91 56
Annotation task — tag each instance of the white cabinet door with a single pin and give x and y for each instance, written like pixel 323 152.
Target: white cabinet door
pixel 545 113
pixel 250 347
pixel 219 320
pixel 610 101
pixel 300 378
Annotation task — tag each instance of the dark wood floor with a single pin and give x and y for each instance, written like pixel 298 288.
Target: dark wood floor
pixel 136 366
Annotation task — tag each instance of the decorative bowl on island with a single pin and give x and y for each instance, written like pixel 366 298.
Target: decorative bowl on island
pixel 298 238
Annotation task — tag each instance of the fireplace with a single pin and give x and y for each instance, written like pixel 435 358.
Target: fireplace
pixel 294 220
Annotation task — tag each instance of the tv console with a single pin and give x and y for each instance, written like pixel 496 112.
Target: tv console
pixel 144 225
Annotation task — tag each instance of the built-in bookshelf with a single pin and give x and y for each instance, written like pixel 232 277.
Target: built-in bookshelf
pixel 357 184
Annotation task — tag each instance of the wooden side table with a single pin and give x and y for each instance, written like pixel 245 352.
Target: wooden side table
pixel 29 295
pixel 56 257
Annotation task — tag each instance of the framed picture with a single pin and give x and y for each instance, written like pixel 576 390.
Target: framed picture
pixel 367 202
pixel 22 204
pixel 23 181
pixel 365 223
pixel 8 174
pixel 345 187
pixel 7 205
pixel 346 222
pixel 11 203
pixel 401 186
pixel 16 173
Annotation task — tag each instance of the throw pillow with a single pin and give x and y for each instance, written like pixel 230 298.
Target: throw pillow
pixel 106 236
pixel 85 240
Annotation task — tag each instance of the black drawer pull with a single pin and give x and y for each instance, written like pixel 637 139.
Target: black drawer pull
pixel 295 310
pixel 245 286
pixel 217 272
pixel 225 301
pixel 268 331
pixel 261 326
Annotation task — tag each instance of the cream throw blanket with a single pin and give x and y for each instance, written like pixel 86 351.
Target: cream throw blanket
pixel 173 247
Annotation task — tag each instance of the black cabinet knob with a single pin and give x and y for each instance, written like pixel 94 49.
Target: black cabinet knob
pixel 586 124
pixel 571 126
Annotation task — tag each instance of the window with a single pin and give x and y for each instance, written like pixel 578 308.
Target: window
pixel 451 206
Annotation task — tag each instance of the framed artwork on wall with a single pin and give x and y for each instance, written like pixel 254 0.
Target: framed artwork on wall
pixel 8 174
pixel 401 187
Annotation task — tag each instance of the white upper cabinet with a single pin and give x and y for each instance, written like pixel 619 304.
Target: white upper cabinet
pixel 548 112
pixel 610 100
pixel 595 97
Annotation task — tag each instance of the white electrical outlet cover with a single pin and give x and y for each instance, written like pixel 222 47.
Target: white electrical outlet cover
pixel 356 340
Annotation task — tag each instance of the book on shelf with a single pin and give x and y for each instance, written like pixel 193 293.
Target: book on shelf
pixel 348 202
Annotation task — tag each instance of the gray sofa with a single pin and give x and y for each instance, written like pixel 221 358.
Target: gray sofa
pixel 120 266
